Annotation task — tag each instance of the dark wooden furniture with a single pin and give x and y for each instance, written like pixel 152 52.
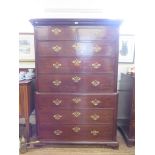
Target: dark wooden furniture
pixel 25 103
pixel 76 80
pixel 128 127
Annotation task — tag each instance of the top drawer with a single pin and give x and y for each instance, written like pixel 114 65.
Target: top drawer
pixel 75 33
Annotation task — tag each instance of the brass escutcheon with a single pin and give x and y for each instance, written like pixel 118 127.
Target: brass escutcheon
pixel 95 102
pixel 76 114
pixel 57 65
pixel 56 82
pixel 95 83
pixel 56 48
pixel 57 116
pixel 76 46
pixel 76 62
pixel 97 48
pixel 57 102
pixel 56 30
pixel 76 129
pixel 58 132
pixel 94 117
pixel 76 100
pixel 96 65
pixel 76 79
pixel 94 132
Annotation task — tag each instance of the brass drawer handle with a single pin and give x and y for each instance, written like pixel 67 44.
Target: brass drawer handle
pixel 76 129
pixel 76 100
pixel 56 48
pixel 76 62
pixel 94 132
pixel 94 117
pixel 97 48
pixel 56 82
pixel 95 102
pixel 57 102
pixel 76 79
pixel 96 65
pixel 76 46
pixel 76 114
pixel 56 30
pixel 95 83
pixel 58 132
pixel 57 65
pixel 57 116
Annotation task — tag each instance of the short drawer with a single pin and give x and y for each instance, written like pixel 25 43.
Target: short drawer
pixel 96 33
pixel 76 65
pixel 75 83
pixel 76 133
pixel 55 33
pixel 76 116
pixel 72 48
pixel 75 33
pixel 62 100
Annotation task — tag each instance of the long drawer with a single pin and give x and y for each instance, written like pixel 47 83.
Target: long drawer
pixel 75 65
pixel 75 116
pixel 75 83
pixel 73 48
pixel 62 100
pixel 75 33
pixel 76 133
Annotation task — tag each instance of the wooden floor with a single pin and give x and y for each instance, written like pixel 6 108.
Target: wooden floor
pixel 80 150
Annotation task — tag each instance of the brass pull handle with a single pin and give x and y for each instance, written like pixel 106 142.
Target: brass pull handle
pixel 97 48
pixel 56 82
pixel 58 132
pixel 95 83
pixel 94 132
pixel 76 79
pixel 95 102
pixel 57 102
pixel 94 117
pixel 56 30
pixel 57 65
pixel 76 114
pixel 76 62
pixel 76 129
pixel 57 116
pixel 56 48
pixel 76 46
pixel 96 65
pixel 76 100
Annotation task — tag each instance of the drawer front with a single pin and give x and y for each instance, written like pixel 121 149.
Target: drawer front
pixel 61 100
pixel 96 33
pixel 76 132
pixel 76 116
pixel 75 83
pixel 75 65
pixel 55 33
pixel 75 33
pixel 72 48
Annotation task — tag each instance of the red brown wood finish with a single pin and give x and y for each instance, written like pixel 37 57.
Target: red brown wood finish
pixel 76 48
pixel 77 116
pixel 77 132
pixel 75 33
pixel 49 101
pixel 26 103
pixel 76 83
pixel 76 67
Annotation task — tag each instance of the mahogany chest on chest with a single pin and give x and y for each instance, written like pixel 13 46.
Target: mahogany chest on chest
pixel 76 67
